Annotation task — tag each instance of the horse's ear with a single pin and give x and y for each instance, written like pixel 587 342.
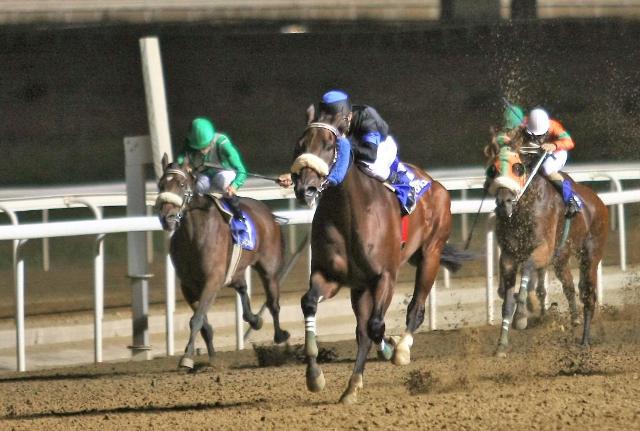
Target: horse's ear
pixel 311 114
pixel 165 161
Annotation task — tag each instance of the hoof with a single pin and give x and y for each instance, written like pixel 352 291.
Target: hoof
pixel 350 395
pixel 501 351
pixel 386 354
pixel 281 337
pixel 520 323
pixel 186 363
pixel 315 379
pixel 257 324
pixel 402 352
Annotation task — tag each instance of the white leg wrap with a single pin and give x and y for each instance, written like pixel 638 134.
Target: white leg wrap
pixel 310 324
pixel 505 324
pixel 381 345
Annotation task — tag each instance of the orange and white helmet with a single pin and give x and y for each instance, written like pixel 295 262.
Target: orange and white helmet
pixel 538 122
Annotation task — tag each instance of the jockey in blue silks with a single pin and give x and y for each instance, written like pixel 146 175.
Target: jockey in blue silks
pixel 374 149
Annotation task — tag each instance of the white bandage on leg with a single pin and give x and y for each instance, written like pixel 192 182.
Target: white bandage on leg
pixel 310 324
pixel 381 346
pixel 386 154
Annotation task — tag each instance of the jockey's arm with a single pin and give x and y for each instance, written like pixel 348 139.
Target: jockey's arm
pixel 230 156
pixel 560 137
pixel 285 180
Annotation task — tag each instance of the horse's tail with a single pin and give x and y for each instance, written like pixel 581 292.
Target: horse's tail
pixel 452 258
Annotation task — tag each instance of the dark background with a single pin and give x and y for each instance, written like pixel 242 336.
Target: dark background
pixel 70 95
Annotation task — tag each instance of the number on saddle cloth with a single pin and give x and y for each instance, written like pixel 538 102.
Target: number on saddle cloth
pixel 408 187
pixel 243 232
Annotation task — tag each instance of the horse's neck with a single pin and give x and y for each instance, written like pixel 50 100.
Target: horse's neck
pixel 199 209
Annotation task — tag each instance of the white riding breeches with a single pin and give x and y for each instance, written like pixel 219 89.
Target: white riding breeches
pixel 218 183
pixel 222 180
pixel 386 154
pixel 554 162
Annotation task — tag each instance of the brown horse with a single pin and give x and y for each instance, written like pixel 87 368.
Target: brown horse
pixel 201 251
pixel 356 241
pixel 533 233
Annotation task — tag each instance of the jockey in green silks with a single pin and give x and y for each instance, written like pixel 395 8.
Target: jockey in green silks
pixel 204 147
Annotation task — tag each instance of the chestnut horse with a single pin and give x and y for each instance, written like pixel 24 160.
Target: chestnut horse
pixel 533 232
pixel 356 241
pixel 201 249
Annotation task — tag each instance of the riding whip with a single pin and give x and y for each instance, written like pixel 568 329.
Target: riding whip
pixel 475 220
pixel 250 174
pixel 533 173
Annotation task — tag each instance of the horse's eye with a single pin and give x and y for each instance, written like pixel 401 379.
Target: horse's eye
pixel 518 169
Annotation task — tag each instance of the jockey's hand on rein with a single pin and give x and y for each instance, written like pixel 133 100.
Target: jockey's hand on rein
pixel 285 180
pixel 549 147
pixel 231 191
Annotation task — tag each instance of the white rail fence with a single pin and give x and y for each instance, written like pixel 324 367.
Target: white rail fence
pixel 19 234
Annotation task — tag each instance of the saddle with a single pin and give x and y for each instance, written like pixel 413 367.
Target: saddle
pixel 243 233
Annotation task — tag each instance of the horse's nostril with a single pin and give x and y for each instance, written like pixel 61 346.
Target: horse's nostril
pixel 310 191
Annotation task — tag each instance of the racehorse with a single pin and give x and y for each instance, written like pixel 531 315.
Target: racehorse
pixel 533 232
pixel 201 251
pixel 356 241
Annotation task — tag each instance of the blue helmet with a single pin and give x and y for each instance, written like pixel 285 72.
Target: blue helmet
pixel 335 101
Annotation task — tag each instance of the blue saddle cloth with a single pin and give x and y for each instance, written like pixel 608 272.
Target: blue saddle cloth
pixel 242 232
pixel 410 182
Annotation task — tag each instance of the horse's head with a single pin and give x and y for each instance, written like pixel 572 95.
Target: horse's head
pixel 315 153
pixel 175 190
pixel 506 176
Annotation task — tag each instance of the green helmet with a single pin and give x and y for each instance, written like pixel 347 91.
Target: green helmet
pixel 513 116
pixel 201 133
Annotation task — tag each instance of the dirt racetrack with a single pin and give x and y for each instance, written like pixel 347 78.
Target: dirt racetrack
pixel 453 382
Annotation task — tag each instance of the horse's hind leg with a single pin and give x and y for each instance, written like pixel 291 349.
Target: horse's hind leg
pixel 247 315
pixel 376 326
pixel 563 272
pixel 362 304
pixel 319 287
pixel 426 272
pixel 272 290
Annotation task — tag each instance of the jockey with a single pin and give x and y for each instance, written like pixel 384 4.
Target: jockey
pixel 554 139
pixel 373 148
pixel 513 116
pixel 217 161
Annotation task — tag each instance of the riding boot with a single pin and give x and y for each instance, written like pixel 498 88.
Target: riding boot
pixel 570 198
pixel 234 202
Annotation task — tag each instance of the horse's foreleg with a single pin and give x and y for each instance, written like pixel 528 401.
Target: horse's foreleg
pixel 272 290
pixel 319 288
pixel 198 319
pixel 541 291
pixel 521 316
pixel 508 270
pixel 375 327
pixel 247 315
pixel 362 303
pixel 563 272
pixel 207 335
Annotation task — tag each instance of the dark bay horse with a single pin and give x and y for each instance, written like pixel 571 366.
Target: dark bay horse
pixel 533 233
pixel 201 250
pixel 356 241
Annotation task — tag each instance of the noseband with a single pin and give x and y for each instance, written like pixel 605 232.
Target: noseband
pixel 173 198
pixel 312 161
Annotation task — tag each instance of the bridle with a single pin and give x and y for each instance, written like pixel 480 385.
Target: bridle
pixel 173 198
pixel 310 160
